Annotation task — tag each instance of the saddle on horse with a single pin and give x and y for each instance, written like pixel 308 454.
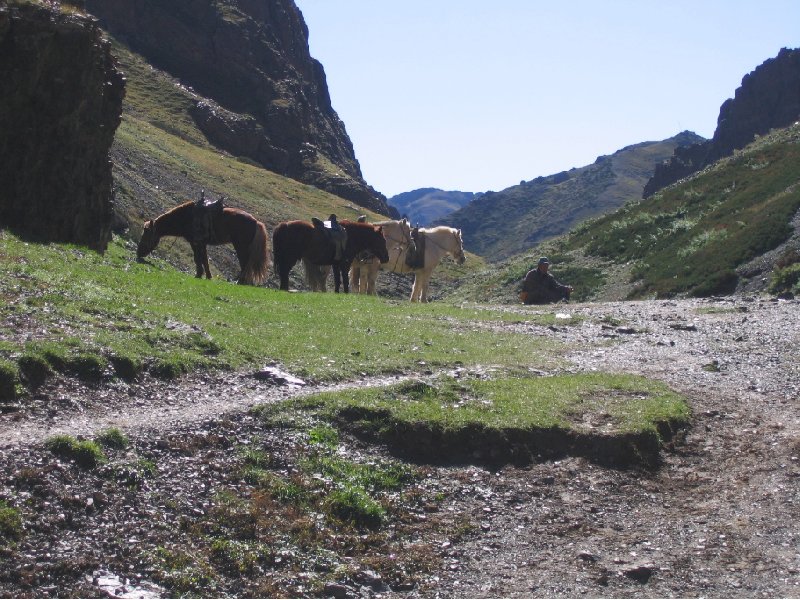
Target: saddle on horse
pixel 415 255
pixel 203 215
pixel 334 233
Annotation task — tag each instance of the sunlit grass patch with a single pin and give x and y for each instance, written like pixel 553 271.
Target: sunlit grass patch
pixel 85 453
pixel 509 418
pixel 97 317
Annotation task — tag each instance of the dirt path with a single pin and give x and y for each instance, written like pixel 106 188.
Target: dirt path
pixel 717 519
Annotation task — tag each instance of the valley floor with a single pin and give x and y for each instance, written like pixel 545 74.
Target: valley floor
pixel 718 518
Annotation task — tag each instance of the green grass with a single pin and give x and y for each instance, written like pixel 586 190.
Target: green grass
pixel 9 378
pixel 11 528
pixel 633 403
pixel 85 453
pixel 113 438
pixel 690 238
pixel 98 313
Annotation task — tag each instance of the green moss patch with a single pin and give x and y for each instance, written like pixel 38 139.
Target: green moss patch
pixel 609 419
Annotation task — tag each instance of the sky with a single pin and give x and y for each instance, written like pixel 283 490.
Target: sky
pixel 477 95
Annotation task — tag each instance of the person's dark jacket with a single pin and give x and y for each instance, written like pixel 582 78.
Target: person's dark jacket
pixel 542 288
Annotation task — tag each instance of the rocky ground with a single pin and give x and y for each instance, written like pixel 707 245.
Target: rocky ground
pixel 718 518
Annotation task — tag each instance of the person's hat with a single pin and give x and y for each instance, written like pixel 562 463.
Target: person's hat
pixel 544 261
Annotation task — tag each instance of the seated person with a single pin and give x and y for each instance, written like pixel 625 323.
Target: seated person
pixel 540 287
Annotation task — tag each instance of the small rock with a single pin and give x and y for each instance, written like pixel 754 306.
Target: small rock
pixel 339 590
pixel 275 375
pixel 640 573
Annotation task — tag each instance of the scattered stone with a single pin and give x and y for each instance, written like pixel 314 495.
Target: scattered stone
pixel 339 590
pixel 278 377
pixel 640 573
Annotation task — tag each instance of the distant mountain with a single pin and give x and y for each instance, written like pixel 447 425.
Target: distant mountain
pixel 501 224
pixel 425 205
pixel 768 98
pixel 734 227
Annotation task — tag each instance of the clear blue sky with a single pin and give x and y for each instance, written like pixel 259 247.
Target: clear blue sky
pixel 476 95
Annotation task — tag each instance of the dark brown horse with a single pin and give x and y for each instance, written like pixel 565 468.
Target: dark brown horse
pixel 232 226
pixel 295 240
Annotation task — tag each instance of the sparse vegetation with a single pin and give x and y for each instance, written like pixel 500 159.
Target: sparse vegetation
pixel 113 438
pixel 85 453
pixel 11 528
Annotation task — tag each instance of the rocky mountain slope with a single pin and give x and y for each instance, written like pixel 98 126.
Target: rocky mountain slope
pixel 60 104
pixel 768 98
pixel 733 227
pixel 501 224
pixel 258 92
pixel 426 205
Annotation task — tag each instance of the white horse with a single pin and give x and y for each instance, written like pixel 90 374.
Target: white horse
pixel 438 242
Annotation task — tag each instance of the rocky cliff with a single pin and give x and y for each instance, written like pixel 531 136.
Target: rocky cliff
pixel 60 103
pixel 768 98
pixel 263 96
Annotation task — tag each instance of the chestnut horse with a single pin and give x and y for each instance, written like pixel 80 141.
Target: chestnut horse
pixel 232 226
pixel 295 240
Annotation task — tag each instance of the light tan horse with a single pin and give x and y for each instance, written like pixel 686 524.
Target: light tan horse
pixel 438 242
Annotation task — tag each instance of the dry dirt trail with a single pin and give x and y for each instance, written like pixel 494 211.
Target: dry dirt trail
pixel 718 518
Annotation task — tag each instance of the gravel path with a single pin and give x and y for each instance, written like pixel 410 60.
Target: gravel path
pixel 717 519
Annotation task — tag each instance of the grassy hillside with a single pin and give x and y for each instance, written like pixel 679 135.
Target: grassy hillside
pixel 161 158
pixel 502 224
pixel 729 227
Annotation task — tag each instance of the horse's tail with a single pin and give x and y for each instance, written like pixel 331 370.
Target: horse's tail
pixel 257 267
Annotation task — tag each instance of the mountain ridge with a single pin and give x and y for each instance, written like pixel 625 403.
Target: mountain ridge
pixel 549 206
pixel 425 205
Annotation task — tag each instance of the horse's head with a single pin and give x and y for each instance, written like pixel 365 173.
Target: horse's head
pixel 458 253
pixel 148 242
pixel 378 244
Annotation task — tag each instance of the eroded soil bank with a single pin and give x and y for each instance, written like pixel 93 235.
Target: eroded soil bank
pixel 717 518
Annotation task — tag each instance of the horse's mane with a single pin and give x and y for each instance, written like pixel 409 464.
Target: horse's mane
pixel 189 203
pixel 439 228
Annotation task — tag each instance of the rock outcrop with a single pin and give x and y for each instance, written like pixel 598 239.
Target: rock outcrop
pixel 60 104
pixel 768 98
pixel 265 97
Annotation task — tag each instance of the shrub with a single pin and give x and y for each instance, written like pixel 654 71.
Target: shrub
pixel 85 453
pixel 10 523
pixel 353 505
pixel 786 279
pixel 113 438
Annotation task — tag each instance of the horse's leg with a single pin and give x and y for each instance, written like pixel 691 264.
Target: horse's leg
pixel 337 276
pixel 372 277
pixel 425 277
pixel 355 274
pixel 284 267
pixel 345 268
pixel 199 261
pixel 415 289
pixel 243 254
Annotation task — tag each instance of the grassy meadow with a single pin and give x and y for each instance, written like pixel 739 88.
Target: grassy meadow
pixel 98 317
